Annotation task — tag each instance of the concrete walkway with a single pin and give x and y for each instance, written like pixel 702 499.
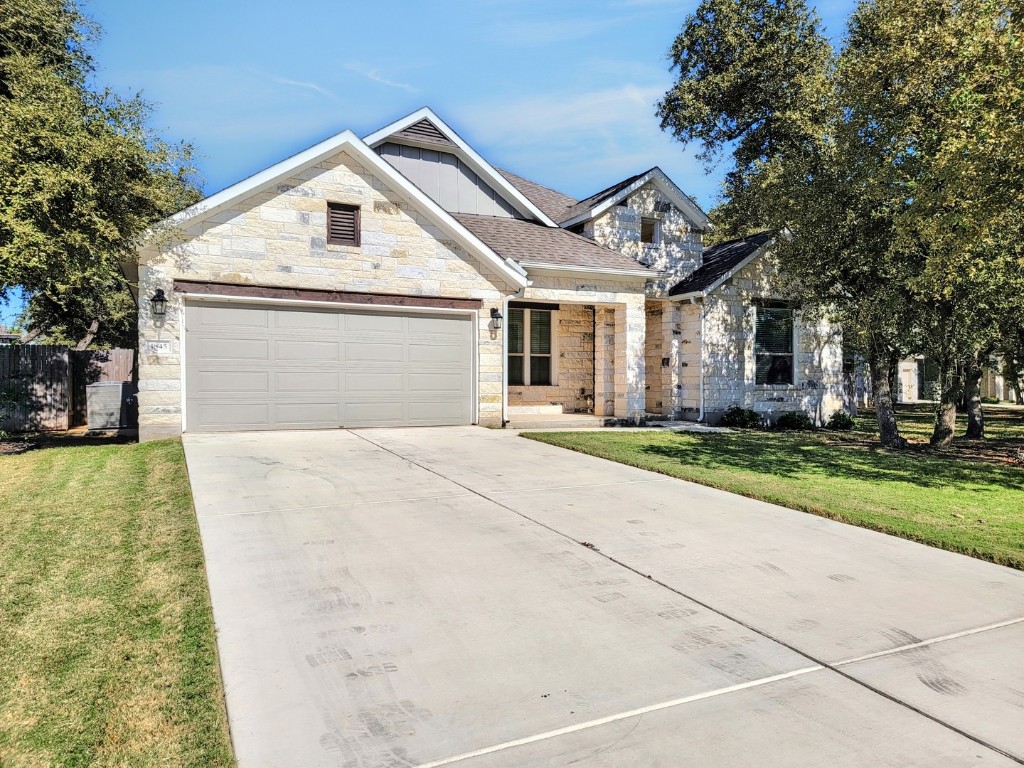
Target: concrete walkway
pixel 467 597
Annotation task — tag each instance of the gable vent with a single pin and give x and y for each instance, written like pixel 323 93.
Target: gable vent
pixel 342 224
pixel 662 207
pixel 425 130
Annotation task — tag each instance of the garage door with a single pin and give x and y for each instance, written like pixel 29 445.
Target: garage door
pixel 254 367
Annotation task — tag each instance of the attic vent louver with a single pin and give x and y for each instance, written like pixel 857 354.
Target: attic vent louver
pixel 425 130
pixel 662 207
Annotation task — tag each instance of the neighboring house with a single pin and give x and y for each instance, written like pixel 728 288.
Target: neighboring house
pixel 9 337
pixel 400 279
pixel 918 381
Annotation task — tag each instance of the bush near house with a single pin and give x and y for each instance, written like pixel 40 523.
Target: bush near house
pixel 794 421
pixel 106 633
pixel 742 418
pixel 840 421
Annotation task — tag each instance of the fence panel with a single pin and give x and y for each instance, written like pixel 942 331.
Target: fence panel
pixel 34 388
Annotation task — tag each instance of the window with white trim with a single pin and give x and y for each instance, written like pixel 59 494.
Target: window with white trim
pixel 650 231
pixel 773 343
pixel 529 347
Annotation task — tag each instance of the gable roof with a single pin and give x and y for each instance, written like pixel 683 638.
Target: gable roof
pixel 554 203
pixel 346 141
pixel 720 262
pixel 533 244
pixel 597 204
pixel 401 129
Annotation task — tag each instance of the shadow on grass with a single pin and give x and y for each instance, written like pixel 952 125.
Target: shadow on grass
pixel 786 456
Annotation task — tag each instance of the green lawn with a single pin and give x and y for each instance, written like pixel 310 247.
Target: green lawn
pixel 969 499
pixel 106 634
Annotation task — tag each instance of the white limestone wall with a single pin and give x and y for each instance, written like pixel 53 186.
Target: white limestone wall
pixel 278 238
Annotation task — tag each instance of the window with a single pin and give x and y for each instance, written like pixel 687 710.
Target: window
pixel 650 231
pixel 529 346
pixel 773 343
pixel 342 224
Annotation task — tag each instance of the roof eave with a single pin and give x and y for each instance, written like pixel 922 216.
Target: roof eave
pixel 732 271
pixel 646 274
pixel 346 140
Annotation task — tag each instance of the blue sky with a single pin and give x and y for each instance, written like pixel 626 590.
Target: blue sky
pixel 559 91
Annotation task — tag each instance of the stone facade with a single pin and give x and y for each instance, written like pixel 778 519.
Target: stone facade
pixel 573 390
pixel 729 358
pixel 278 238
pixel 619 329
pixel 677 254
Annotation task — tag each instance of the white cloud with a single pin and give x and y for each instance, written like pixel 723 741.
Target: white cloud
pixel 375 75
pixel 303 84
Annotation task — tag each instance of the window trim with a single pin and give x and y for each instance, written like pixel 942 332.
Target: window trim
pixel 759 306
pixel 357 224
pixel 526 354
pixel 656 234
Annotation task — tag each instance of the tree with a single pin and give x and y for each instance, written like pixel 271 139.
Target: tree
pixel 895 165
pixel 81 174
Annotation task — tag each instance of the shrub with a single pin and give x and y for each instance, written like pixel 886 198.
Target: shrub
pixel 840 420
pixel 990 400
pixel 743 418
pixel 794 421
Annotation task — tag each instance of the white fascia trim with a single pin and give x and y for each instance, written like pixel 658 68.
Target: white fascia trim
pixel 480 166
pixel 681 200
pixel 537 267
pixel 348 141
pixel 715 285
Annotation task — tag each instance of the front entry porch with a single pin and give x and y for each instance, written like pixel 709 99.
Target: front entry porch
pixel 572 363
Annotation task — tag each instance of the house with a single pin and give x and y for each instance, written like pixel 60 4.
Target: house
pixel 401 279
pixel 8 336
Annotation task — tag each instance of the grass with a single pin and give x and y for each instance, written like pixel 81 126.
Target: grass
pixel 106 634
pixel 968 499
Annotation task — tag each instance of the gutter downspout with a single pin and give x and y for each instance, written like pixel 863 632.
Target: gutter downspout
pixel 504 350
pixel 700 415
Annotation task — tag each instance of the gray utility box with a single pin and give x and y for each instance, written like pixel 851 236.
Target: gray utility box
pixel 110 404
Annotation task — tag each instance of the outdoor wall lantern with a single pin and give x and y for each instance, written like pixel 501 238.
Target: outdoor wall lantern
pixel 158 302
pixel 496 319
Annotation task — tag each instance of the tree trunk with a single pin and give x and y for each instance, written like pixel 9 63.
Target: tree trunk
pixel 881 365
pixel 972 396
pixel 90 334
pixel 950 392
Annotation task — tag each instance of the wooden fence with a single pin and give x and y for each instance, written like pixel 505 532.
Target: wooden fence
pixel 42 388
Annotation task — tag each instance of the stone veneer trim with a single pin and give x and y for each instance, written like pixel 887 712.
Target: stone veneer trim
pixel 235 290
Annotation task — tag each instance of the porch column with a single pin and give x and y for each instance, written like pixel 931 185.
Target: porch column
pixel 604 361
pixel 672 349
pixel 630 379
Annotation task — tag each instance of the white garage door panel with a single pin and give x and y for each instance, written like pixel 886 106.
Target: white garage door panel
pixel 249 367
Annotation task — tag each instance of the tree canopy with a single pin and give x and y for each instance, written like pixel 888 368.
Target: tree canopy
pixel 894 162
pixel 82 175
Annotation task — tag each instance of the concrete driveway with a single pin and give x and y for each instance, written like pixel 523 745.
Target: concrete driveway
pixel 465 597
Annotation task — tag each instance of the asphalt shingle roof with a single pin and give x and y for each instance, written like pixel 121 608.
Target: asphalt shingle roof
pixel 553 203
pixel 718 261
pixel 530 242
pixel 596 199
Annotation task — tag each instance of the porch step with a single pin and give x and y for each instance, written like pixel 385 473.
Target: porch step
pixel 557 421
pixel 534 410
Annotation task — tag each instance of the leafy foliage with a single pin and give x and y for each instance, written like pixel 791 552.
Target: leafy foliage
pixel 840 421
pixel 894 163
pixel 81 174
pixel 794 421
pixel 742 418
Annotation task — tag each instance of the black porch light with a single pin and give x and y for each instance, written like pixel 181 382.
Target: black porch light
pixel 158 302
pixel 496 318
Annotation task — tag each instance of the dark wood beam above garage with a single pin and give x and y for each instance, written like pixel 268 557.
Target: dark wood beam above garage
pixel 205 288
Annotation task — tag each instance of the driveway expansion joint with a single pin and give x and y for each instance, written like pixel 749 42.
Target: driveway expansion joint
pixel 817 663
